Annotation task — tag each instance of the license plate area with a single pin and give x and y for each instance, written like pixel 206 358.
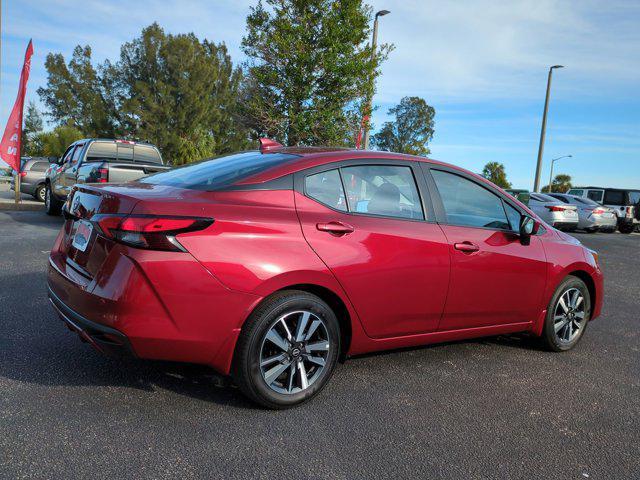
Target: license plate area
pixel 81 235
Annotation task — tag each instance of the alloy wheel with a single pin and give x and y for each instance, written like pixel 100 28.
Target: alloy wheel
pixel 569 315
pixel 294 352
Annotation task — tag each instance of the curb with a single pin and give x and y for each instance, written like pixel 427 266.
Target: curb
pixel 21 207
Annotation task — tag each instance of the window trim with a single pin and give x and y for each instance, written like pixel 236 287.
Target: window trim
pixel 428 212
pixel 441 214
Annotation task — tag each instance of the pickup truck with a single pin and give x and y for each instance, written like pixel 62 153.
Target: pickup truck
pixel 97 160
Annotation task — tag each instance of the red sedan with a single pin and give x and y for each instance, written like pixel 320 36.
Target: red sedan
pixel 272 265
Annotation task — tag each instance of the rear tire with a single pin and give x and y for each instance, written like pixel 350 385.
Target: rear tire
pixel 626 228
pixel 40 193
pixel 52 205
pixel 591 230
pixel 287 350
pixel 568 314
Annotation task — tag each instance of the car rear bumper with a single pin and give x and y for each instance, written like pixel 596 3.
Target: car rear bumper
pixel 157 305
pixel 104 339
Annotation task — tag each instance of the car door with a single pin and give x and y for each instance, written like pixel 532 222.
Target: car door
pixel 369 223
pixel 58 179
pixel 495 279
pixel 70 172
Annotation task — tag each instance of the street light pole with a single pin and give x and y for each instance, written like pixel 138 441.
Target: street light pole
pixel 551 172
pixel 368 108
pixel 536 184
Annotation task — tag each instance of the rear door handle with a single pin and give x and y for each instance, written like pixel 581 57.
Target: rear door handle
pixel 466 247
pixel 335 228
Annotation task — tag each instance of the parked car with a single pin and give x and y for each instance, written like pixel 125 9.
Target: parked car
pixel 520 194
pixel 554 212
pixel 96 160
pixel 32 176
pixel 271 265
pixel 625 202
pixel 592 216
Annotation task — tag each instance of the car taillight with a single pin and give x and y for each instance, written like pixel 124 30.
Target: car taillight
pixel 104 175
pixel 598 211
pixel 629 212
pixel 555 208
pixel 147 231
pixel 23 174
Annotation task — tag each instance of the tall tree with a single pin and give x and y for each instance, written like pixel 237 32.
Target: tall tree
pixel 412 129
pixel 309 69
pixel 75 94
pixel 561 183
pixel 495 172
pixel 31 144
pixel 179 93
pixel 55 142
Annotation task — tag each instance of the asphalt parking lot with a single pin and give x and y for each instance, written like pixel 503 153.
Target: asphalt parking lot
pixel 491 408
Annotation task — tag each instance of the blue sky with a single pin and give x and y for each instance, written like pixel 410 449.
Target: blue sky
pixel 482 65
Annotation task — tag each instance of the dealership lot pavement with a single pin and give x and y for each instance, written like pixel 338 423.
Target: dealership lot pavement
pixel 492 408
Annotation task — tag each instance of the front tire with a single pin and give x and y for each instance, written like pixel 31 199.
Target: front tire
pixel 287 350
pixel 52 205
pixel 567 315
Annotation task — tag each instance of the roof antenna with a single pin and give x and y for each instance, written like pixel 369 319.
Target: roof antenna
pixel 266 145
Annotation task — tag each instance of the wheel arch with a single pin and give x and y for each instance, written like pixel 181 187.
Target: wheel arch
pixel 336 304
pixel 589 282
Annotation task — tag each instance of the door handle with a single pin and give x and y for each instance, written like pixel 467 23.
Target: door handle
pixel 466 247
pixel 335 228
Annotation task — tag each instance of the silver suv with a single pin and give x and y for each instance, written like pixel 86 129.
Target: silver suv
pixel 32 176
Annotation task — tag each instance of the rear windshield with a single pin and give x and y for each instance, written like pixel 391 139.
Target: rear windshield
pixel 586 201
pixel 123 152
pixel 541 197
pixel 215 173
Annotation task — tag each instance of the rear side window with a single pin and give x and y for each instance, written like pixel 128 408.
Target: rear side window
pixel 634 197
pixel 468 204
pixel 384 190
pixel 613 197
pixel 76 154
pixel 215 173
pixel 326 188
pixel 595 195
pixel 576 191
pixel 39 167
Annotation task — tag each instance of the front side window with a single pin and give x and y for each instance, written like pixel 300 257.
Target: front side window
pixel 469 204
pixel 326 188
pixel 383 190
pixel 514 217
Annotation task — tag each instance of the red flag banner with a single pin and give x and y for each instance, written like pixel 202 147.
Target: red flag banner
pixel 10 145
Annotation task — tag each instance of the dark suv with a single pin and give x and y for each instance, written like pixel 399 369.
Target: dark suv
pixel 625 202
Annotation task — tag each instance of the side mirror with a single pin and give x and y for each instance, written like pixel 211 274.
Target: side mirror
pixel 528 227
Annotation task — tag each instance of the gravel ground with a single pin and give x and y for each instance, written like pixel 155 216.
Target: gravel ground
pixel 490 408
